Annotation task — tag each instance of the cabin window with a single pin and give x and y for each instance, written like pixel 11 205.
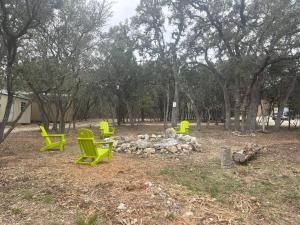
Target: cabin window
pixel 23 104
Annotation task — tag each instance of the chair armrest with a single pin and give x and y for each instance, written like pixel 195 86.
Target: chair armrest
pixel 103 142
pixel 110 143
pixel 54 135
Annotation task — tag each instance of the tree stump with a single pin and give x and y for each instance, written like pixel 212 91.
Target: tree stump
pixel 226 158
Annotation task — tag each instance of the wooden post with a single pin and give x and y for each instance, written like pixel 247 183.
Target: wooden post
pixel 226 161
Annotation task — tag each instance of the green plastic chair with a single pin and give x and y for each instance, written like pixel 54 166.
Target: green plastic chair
pixel 183 127
pixel 89 149
pixel 49 143
pixel 105 131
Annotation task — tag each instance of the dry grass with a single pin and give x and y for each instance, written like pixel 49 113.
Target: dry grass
pixel 48 188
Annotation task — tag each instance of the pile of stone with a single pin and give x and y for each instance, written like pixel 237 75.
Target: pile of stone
pixel 170 143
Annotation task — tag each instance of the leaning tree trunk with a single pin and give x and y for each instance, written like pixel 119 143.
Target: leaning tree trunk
pixel 12 49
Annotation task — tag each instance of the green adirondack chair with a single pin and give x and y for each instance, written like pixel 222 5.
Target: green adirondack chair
pixel 49 144
pixel 105 131
pixel 89 149
pixel 183 127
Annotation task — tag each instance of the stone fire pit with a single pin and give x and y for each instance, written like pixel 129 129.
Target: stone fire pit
pixel 170 143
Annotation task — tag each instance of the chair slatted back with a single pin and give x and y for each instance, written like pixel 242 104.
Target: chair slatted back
pixel 86 142
pixel 104 126
pixel 45 135
pixel 185 124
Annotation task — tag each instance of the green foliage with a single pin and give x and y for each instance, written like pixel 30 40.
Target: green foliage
pixel 27 195
pixel 17 211
pixel 209 48
pixel 47 199
pixel 171 216
pixel 210 179
pixel 92 219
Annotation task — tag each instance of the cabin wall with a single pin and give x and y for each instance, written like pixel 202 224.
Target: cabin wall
pixel 18 103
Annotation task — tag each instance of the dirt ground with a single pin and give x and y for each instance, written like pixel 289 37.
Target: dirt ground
pixel 49 188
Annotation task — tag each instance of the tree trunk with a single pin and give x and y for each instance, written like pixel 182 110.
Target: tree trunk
pixel 175 104
pixel 11 54
pixel 263 117
pixel 167 105
pixel 198 119
pixel 270 110
pixel 237 107
pixel 142 115
pixel 112 110
pixel 208 117
pixel 120 117
pixel 56 118
pixel 130 114
pixel 227 123
pixel 283 102
pixel 250 104
pixel 62 125
pixel 254 103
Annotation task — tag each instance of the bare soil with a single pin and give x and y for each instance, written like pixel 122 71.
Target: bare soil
pixel 49 188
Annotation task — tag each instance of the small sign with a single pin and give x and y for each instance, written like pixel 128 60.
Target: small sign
pixel 174 104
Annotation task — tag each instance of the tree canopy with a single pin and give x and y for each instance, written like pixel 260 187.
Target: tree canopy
pixel 175 59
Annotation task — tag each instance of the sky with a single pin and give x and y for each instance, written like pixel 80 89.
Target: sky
pixel 122 9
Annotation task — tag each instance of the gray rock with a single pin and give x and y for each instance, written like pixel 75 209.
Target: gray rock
pixel 187 147
pixel 194 140
pixel 122 206
pixel 166 142
pixel 153 136
pixel 149 150
pixel 115 144
pixel 186 138
pixel 197 147
pixel 185 151
pixel 172 149
pixel 125 146
pixel 170 133
pixel 138 152
pixel 163 150
pixel 127 139
pixel 142 143
pixel 146 137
